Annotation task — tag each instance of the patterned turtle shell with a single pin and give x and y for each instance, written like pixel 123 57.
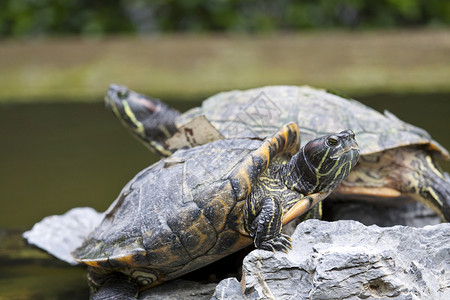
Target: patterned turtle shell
pixel 204 203
pixel 397 159
pixel 259 112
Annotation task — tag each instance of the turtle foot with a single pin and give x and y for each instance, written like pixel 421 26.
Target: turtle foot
pixel 280 243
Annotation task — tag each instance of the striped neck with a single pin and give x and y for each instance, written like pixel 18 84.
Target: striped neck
pixel 300 175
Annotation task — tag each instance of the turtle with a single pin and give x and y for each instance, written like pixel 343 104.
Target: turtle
pixel 203 203
pixel 398 160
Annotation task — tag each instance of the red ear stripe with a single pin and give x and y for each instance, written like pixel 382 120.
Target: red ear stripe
pixel 311 145
pixel 147 103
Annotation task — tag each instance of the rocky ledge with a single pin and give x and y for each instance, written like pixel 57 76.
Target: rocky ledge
pixel 348 260
pixel 337 260
pixel 329 260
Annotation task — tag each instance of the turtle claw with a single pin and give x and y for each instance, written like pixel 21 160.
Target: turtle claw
pixel 279 243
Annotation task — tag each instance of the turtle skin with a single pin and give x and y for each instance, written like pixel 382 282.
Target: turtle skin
pixel 398 160
pixel 203 203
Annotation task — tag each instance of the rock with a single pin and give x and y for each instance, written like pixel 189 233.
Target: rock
pixel 179 289
pixel 228 288
pixel 347 260
pixel 59 235
pixel 329 260
pixel 413 214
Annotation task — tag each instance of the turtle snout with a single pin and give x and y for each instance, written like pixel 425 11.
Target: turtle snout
pixel 111 95
pixel 349 140
pixel 347 134
pixel 116 93
pixel 114 87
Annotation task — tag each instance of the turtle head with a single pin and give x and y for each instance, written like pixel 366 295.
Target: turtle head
pixel 324 162
pixel 132 109
pixel 150 120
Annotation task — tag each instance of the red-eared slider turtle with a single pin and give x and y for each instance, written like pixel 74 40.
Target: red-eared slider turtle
pixel 203 203
pixel 397 159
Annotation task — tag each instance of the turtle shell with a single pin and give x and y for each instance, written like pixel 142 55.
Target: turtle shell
pixel 184 211
pixel 259 112
pixel 397 160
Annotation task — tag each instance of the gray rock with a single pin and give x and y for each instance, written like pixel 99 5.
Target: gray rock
pixel 329 260
pixel 347 260
pixel 413 214
pixel 228 288
pixel 59 235
pixel 179 289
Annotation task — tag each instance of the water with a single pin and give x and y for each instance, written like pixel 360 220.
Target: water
pixel 58 156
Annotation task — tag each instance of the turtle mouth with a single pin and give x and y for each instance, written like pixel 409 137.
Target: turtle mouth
pixel 109 103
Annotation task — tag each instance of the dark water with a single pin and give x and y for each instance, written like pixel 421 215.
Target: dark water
pixel 58 156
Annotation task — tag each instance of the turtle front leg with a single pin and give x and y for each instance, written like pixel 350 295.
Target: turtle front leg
pixel 266 228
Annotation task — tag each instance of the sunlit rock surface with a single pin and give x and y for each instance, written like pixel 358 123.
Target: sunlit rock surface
pixel 179 289
pixel 329 260
pixel 59 235
pixel 347 260
pixel 413 214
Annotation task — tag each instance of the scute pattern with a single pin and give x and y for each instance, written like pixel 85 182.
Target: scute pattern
pixel 184 211
pixel 173 207
pixel 259 112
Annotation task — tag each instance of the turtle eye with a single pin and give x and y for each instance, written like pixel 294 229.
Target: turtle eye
pixel 331 141
pixel 122 94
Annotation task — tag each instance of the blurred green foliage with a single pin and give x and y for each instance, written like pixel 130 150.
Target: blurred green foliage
pixel 20 18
